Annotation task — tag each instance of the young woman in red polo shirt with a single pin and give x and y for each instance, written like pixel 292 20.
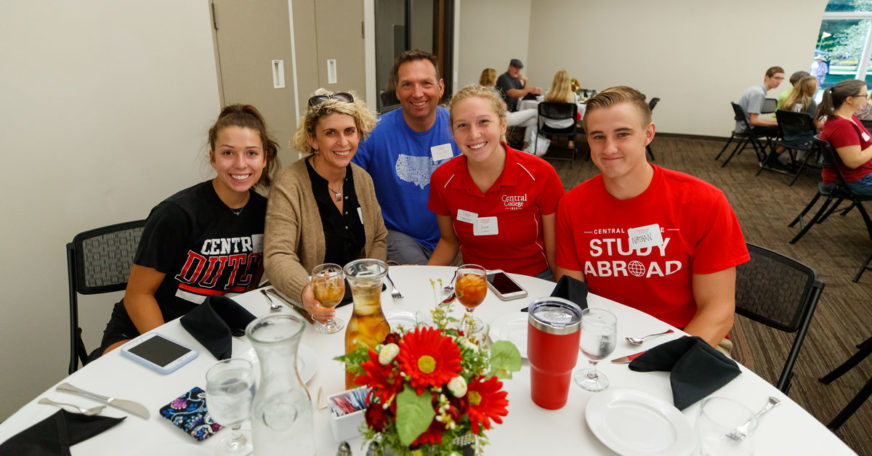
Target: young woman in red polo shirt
pixel 846 133
pixel 494 204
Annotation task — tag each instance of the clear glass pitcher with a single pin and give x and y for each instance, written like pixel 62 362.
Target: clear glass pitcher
pixel 281 414
pixel 367 325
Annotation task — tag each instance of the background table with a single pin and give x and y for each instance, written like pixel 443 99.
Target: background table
pixel 527 429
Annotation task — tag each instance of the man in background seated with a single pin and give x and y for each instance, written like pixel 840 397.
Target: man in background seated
pixel 513 85
pixel 658 240
pixel 752 102
pixel 794 78
pixel 401 153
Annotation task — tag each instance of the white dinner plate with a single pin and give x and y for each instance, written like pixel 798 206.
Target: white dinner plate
pixel 404 318
pixel 513 328
pixel 635 423
pixel 307 363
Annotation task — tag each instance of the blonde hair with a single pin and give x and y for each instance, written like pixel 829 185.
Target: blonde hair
pixel 478 91
pixel 488 77
pixel 561 91
pixel 802 93
pixel 364 119
pixel 618 94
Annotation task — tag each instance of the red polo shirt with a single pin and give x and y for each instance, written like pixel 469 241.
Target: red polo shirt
pixel 502 228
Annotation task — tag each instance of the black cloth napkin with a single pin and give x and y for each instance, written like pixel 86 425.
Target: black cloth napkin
pixel 571 289
pixel 697 369
pixel 55 434
pixel 214 322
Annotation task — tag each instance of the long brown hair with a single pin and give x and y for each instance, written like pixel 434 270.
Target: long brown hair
pixel 836 95
pixel 247 116
pixel 802 94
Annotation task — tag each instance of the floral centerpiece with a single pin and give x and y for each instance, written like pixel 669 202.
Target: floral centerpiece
pixel 430 388
pixel 575 86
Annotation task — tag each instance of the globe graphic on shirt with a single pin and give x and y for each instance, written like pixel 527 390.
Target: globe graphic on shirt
pixel 636 268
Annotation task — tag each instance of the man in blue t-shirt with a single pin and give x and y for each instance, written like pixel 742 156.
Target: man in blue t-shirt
pixel 402 151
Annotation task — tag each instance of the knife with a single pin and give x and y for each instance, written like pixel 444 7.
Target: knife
pixel 296 307
pixel 627 359
pixel 123 404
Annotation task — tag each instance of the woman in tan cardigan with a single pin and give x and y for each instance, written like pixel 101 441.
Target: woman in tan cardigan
pixel 323 209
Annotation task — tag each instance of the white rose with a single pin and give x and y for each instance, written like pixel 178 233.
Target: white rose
pixel 457 386
pixel 388 353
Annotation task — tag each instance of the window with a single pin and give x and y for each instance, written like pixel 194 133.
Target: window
pixel 844 44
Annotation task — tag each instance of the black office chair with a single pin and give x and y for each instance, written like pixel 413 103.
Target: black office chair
pixel 98 261
pixel 797 133
pixel 781 293
pixel 865 349
pixel 651 105
pixel 835 194
pixel 748 136
pixel 769 106
pixel 553 111
pixel 389 101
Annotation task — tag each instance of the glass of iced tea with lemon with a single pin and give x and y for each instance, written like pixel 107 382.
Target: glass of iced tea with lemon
pixel 470 288
pixel 328 286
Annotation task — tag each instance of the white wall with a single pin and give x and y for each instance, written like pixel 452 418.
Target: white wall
pixel 105 108
pixel 697 56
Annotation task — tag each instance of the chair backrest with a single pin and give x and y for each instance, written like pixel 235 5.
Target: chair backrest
pixel 769 105
pixel 653 103
pixel 829 158
pixel 740 116
pixel 98 261
pixel 778 292
pixel 389 101
pixel 795 126
pixel 556 111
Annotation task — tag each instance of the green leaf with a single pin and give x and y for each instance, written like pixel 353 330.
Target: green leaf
pixel 414 414
pixel 504 359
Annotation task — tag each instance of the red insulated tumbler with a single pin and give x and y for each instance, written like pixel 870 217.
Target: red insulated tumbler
pixel 552 347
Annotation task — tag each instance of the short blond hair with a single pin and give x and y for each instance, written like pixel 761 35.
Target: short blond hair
pixel 364 119
pixel 618 94
pixel 485 93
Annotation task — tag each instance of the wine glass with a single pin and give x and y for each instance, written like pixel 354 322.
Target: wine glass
pixel 599 334
pixel 328 286
pixel 229 392
pixel 470 288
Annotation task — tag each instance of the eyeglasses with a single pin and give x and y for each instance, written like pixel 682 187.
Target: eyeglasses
pixel 341 96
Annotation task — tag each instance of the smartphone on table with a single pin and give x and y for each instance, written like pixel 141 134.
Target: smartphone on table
pixel 159 353
pixel 503 286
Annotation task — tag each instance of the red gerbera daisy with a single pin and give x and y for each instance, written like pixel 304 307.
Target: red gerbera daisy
pixel 433 434
pixel 385 381
pixel 486 402
pixel 429 358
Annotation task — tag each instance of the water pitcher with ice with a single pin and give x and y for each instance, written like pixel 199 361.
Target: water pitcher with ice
pixel 281 415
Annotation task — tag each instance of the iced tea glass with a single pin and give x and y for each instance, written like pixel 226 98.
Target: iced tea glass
pixel 470 288
pixel 328 286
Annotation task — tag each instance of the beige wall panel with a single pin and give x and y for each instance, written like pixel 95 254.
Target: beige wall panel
pixel 306 52
pixel 492 32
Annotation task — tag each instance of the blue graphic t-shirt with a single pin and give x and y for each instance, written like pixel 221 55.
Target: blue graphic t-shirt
pixel 400 162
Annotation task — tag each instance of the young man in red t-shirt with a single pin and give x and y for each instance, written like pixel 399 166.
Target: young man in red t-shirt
pixel 657 240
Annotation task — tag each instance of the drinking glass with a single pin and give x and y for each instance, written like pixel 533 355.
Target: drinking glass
pixel 718 417
pixel 229 391
pixel 599 334
pixel 470 288
pixel 328 286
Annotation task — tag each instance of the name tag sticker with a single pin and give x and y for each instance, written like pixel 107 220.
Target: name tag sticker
pixel 645 236
pixel 441 152
pixel 865 136
pixel 485 226
pixel 466 216
pixel 360 214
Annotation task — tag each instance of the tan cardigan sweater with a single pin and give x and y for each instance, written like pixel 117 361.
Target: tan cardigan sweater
pixel 294 236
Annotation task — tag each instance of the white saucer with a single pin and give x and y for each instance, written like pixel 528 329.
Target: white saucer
pixel 513 328
pixel 634 423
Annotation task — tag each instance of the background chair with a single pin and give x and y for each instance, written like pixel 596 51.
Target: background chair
pixel 865 349
pixel 797 133
pixel 556 112
pixel 748 136
pixel 389 101
pixel 769 106
pixel 781 293
pixel 651 105
pixel 98 261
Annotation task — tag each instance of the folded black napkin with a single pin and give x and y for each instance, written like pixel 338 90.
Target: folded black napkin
pixel 697 369
pixel 571 289
pixel 55 434
pixel 215 321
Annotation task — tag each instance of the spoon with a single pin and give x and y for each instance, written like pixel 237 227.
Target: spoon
pixel 273 306
pixel 639 340
pixel 82 410
pixel 742 431
pixel 449 289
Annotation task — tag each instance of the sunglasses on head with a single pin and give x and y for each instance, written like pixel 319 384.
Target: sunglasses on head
pixel 341 96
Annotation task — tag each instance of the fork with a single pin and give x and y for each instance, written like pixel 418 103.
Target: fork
pixel 82 410
pixel 394 292
pixel 742 431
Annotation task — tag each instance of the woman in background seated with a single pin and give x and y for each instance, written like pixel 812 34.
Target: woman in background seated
pixel 526 118
pixel 561 92
pixel 846 133
pixel 323 209
pixel 206 239
pixel 801 99
pixel 493 203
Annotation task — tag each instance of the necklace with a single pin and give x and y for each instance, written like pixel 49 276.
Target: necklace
pixel 337 194
pixel 237 211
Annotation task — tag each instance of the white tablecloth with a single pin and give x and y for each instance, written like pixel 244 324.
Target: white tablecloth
pixel 527 429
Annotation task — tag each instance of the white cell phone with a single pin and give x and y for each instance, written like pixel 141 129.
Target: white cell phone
pixel 159 353
pixel 503 286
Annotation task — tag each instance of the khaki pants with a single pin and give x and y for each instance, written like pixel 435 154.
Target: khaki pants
pixel 725 347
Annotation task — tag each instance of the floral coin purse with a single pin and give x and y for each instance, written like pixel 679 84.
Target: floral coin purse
pixel 188 412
